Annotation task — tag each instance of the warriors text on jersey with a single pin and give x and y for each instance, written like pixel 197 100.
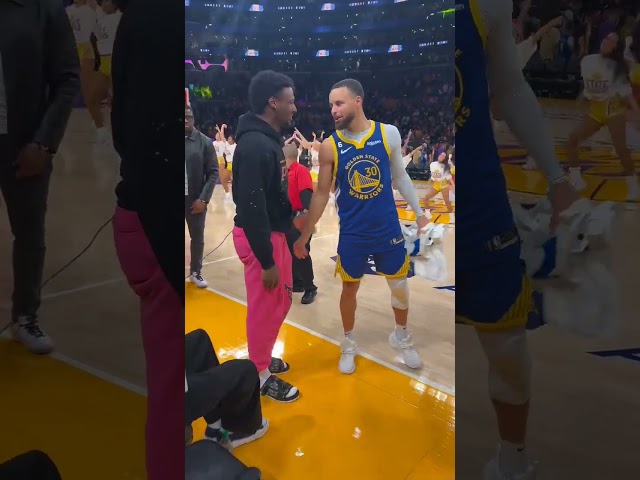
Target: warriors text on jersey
pixel 364 196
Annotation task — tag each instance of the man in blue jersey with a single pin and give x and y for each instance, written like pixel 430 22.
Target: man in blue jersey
pixel 492 292
pixel 364 157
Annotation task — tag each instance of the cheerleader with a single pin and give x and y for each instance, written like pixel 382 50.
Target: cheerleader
pixel 107 20
pixel 441 182
pixel 224 165
pixel 83 19
pixel 607 89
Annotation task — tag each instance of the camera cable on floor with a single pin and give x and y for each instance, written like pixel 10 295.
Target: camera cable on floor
pixel 68 264
pixel 85 249
pixel 219 245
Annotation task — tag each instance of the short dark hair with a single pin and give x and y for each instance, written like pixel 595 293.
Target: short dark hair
pixel 263 86
pixel 354 86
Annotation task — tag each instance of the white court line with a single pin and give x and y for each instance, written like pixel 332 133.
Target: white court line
pixel 418 378
pixel 82 288
pixel 101 374
pixel 62 293
pixel 216 261
pixel 96 372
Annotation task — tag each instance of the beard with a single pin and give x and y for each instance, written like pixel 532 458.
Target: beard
pixel 345 122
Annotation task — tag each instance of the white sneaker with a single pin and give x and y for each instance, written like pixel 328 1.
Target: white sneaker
pixel 347 364
pixel 198 281
pixel 234 440
pixel 632 188
pixel 575 177
pixel 228 198
pixel 28 332
pixel 410 356
pixel 530 164
pixel 492 472
pixel 452 218
pixel 102 136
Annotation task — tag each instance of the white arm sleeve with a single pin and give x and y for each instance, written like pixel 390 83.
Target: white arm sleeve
pixel 516 101
pixel 398 173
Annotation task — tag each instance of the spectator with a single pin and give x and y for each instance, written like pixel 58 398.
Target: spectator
pixel 300 189
pixel 33 119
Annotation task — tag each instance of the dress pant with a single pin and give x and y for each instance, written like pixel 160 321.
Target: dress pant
pixel 302 268
pixel 26 203
pixel 195 224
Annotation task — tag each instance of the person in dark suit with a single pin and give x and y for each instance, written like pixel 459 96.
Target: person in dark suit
pixel 39 79
pixel 200 176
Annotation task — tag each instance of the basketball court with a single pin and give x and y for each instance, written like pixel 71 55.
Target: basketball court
pixel 385 421
pixel 584 418
pixel 385 410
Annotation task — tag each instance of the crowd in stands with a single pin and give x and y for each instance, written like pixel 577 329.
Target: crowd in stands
pixel 571 29
pixel 419 100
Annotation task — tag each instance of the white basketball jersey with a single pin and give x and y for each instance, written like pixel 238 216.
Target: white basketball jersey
pixel 219 147
pixel 600 83
pixel 105 30
pixel 83 20
pixel 231 149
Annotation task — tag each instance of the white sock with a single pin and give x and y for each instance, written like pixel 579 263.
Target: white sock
pixel 349 335
pixel 401 332
pixel 512 459
pixel 264 376
pixel 216 425
pixel 575 171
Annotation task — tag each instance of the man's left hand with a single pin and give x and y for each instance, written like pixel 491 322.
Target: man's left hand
pixel 422 222
pixel 198 207
pixel 33 161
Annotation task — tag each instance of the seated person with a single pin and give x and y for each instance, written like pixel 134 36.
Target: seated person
pixel 227 395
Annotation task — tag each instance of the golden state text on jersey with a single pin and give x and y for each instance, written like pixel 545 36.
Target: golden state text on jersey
pixel 364 195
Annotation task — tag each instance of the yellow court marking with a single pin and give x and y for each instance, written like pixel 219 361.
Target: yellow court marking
pixel 375 424
pixel 92 429
pixel 601 173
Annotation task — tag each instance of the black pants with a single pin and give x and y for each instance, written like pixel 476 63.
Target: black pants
pixel 229 392
pixel 34 465
pixel 26 203
pixel 302 268
pixel 195 224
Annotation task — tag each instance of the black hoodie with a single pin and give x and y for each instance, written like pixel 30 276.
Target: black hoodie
pixel 260 186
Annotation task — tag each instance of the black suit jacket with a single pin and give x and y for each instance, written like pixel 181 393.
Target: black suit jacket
pixel 41 70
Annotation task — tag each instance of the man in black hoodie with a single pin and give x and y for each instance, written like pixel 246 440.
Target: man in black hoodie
pixel 263 217
pixel 147 119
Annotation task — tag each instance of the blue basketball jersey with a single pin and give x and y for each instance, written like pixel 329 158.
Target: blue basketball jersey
pixel 483 213
pixel 364 195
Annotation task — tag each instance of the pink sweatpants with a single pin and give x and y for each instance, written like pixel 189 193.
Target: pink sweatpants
pixel 162 325
pixel 266 309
